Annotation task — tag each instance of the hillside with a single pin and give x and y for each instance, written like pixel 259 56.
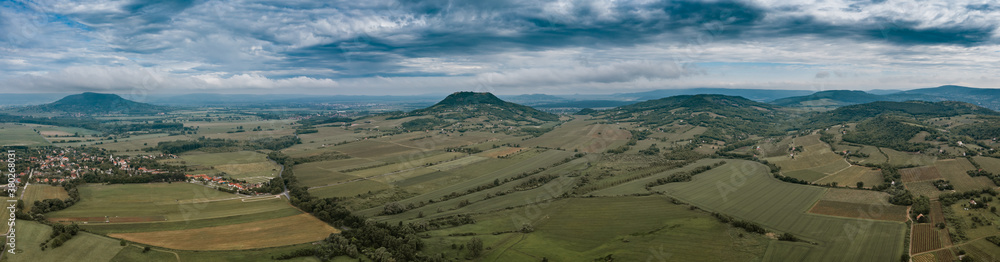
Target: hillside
pixel 463 105
pixel 727 117
pixel 751 94
pixel 830 98
pixel 985 97
pixel 96 103
pixel 859 112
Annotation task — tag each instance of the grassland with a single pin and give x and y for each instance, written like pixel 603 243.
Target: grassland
pixel 20 135
pixel 582 135
pixel 250 166
pixel 990 222
pixel 489 170
pixel 916 174
pixel 981 250
pixel 862 204
pixel 815 162
pixel 327 172
pixel 161 202
pixel 197 158
pixel 745 190
pixel 988 163
pixel 925 188
pixel 259 234
pixel 954 170
pixel 134 253
pixel 906 158
pixel 852 175
pixel 40 192
pixel 584 229
pixel 82 247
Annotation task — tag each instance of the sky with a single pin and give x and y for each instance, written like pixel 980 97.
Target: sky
pixel 405 47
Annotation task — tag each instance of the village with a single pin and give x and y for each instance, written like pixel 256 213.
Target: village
pixel 94 165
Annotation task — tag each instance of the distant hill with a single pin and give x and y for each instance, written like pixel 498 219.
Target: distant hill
pixel 727 117
pixel 463 105
pixel 759 95
pixel 860 112
pixel 985 97
pixel 534 99
pixel 830 98
pixel 96 103
pixel 586 104
pixel 28 99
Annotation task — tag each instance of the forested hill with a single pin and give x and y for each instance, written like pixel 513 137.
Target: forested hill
pixel 860 112
pixel 462 105
pixel 831 98
pixel 727 117
pixel 96 103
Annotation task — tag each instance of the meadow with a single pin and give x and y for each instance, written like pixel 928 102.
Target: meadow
pixel 20 135
pixel 852 175
pixel 82 247
pixel 179 204
pixel 954 170
pixel 583 136
pixel 584 229
pixel 41 192
pixel 284 231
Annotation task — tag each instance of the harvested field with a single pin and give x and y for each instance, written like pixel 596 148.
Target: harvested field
pixel 266 233
pixel 917 174
pixel 925 238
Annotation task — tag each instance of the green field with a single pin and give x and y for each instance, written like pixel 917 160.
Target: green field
pixel 813 163
pixel 582 135
pixel 89 247
pixel 20 135
pixel 40 192
pixel 745 189
pixel 250 166
pixel 905 158
pixel 82 247
pixel 988 163
pixel 176 203
pixel 480 174
pixel 954 170
pixel 584 229
pixel 327 172
pixel 215 159
pixel 851 176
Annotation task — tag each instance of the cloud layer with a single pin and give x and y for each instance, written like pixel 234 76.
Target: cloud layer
pixel 563 46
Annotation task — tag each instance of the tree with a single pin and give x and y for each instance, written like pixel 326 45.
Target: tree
pixel 475 247
pixel 861 184
pixel 145 249
pixel 382 255
pixel 122 243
